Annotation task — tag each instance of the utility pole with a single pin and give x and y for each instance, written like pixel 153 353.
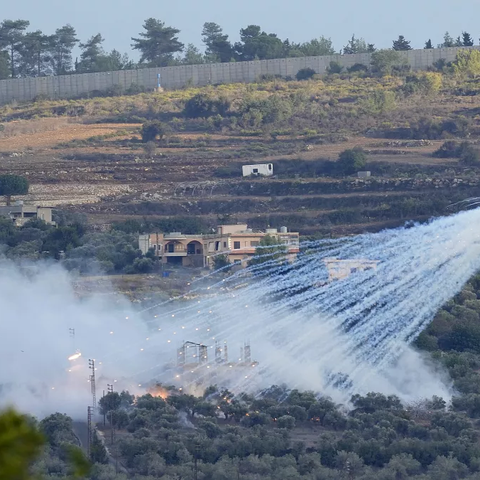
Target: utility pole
pixel 91 366
pixel 71 332
pixel 195 465
pixel 104 414
pixel 90 433
pixel 112 430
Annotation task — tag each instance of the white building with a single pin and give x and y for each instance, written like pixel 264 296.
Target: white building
pixel 265 169
pixel 364 174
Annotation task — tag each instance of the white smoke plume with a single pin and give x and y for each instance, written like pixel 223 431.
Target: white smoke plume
pixel 335 338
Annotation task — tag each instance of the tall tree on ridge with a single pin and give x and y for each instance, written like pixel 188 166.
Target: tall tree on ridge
pixel 467 39
pixel 91 52
pixel 401 44
pixel 11 37
pixel 218 46
pixel 357 45
pixel 428 45
pixel 34 54
pixel 61 46
pixel 158 43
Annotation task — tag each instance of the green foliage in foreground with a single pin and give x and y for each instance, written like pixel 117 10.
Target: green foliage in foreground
pixel 280 434
pixel 219 436
pixel 20 444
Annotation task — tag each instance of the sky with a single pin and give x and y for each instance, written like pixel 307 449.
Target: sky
pixel 301 20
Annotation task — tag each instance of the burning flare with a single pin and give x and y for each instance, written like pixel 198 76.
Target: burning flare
pixel 74 357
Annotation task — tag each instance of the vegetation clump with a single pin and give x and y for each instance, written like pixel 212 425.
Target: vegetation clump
pixel 152 130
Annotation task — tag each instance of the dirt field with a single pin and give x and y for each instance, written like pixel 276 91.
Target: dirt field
pixel 104 171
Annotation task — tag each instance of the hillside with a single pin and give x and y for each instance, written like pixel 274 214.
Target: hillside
pixel 87 156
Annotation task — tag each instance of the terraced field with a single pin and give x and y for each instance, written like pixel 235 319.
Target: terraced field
pixel 92 165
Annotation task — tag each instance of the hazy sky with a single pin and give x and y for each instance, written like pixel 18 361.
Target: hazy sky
pixel 377 21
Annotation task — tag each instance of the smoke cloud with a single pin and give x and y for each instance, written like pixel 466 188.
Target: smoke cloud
pixel 334 337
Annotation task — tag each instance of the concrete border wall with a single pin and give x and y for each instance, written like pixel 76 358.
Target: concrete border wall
pixel 71 86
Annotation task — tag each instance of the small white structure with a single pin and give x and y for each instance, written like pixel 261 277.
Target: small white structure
pixel 340 269
pixel 265 169
pixel 364 174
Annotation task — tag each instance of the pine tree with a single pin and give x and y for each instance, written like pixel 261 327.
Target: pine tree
pixel 428 45
pixel 91 52
pixel 357 45
pixel 61 46
pixel 158 43
pixel 447 41
pixel 467 40
pixel 34 54
pixel 11 37
pixel 401 44
pixel 218 46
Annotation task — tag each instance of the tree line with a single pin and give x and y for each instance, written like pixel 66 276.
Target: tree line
pixel 26 53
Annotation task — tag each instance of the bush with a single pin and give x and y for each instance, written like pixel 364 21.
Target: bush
pixel 134 89
pixel 379 101
pixel 470 156
pixel 287 422
pixel 269 77
pixel 464 151
pixel 467 63
pixel 386 62
pixel 440 65
pixel 432 129
pixel 351 161
pixel 114 90
pixel 334 67
pixel 203 105
pixel 357 67
pixel 271 110
pixel 305 74
pixel 150 148
pixel 448 149
pixel 151 130
pixel 426 83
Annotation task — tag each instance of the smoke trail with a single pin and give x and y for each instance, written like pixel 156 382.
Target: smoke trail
pixel 305 329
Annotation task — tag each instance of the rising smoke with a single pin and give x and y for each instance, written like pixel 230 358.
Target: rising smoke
pixel 306 331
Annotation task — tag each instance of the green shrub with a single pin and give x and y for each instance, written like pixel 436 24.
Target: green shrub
pixel 351 161
pixel 286 421
pixel 269 77
pixel 425 83
pixel 114 91
pixel 273 109
pixel 357 67
pixel 334 67
pixel 134 89
pixel 305 74
pixel 467 63
pixel 151 130
pixel 470 156
pixel 386 62
pixel 452 149
pixel 379 101
pixel 449 149
pixel 203 105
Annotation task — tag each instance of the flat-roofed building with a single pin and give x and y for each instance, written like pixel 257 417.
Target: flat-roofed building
pixel 20 213
pixel 237 242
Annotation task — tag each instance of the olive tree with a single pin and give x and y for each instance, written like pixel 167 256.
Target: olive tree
pixel 151 130
pixel 351 161
pixel 13 185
